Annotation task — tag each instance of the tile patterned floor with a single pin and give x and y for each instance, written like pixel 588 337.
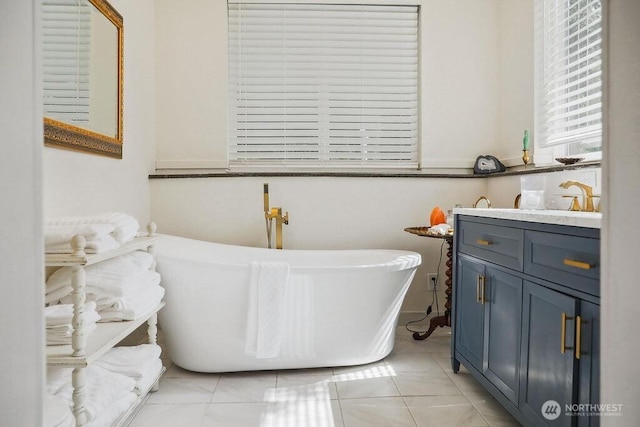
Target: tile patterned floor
pixel 414 387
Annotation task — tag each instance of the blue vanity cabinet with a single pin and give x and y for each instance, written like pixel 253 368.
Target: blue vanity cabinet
pixel 526 315
pixel 469 338
pixel 589 357
pixel 548 364
pixel 488 314
pixel 502 299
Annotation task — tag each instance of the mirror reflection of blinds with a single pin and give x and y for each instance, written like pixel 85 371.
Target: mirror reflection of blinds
pixel 66 28
pixel 570 33
pixel 323 85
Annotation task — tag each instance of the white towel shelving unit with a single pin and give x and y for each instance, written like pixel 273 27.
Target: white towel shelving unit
pixel 86 348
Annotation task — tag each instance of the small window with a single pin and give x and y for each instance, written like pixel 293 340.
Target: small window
pixel 568 79
pixel 323 85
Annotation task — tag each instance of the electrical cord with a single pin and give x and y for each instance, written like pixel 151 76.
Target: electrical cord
pixel 434 297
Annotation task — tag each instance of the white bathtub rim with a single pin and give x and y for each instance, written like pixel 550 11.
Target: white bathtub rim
pixel 402 259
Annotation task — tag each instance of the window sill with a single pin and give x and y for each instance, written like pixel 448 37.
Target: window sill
pixel 512 171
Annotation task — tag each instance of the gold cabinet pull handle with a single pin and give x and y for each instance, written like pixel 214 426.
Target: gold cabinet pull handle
pixel 577 264
pixel 480 286
pixel 563 333
pixel 483 242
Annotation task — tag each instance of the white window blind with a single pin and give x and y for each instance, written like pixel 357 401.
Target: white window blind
pixel 323 85
pixel 66 29
pixel 569 75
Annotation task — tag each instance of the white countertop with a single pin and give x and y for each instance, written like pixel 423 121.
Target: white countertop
pixel 576 219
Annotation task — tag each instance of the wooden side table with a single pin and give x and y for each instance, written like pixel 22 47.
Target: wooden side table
pixel 445 319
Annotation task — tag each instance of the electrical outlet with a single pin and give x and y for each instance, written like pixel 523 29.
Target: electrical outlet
pixel 432 281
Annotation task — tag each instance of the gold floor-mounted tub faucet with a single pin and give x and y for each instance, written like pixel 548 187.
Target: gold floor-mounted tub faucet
pixel 269 215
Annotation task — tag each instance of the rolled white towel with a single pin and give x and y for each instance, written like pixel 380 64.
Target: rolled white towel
pixel 125 226
pixel 114 411
pixel 58 377
pixel 93 246
pixel 149 375
pixel 62 314
pixel 113 273
pixel 57 294
pixel 55 234
pixel 56 412
pixel 61 335
pixel 131 361
pixel 102 388
pixel 135 306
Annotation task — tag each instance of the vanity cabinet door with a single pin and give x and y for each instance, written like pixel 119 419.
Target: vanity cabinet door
pixel 548 365
pixel 469 334
pixel 502 330
pixel 589 389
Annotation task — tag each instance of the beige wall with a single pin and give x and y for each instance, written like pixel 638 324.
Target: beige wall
pixel 81 184
pixel 476 63
pixel 463 91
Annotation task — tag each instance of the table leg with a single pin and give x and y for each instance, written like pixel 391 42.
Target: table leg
pixel 445 319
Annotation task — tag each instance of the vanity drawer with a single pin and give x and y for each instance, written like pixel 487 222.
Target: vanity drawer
pixel 571 261
pixel 499 244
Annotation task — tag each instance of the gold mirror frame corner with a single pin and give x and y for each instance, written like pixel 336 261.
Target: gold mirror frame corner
pixel 62 135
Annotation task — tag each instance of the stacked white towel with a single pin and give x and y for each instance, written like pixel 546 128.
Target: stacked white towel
pixel 57 412
pixel 58 320
pixel 123 288
pixel 102 232
pixel 141 363
pixel 103 389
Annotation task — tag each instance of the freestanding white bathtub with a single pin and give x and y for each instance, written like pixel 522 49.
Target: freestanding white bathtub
pixel 340 307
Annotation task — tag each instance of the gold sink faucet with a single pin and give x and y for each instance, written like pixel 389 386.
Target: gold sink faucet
pixel 480 199
pixel 587 194
pixel 270 215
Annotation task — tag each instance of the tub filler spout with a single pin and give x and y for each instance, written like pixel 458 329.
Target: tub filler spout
pixel 270 215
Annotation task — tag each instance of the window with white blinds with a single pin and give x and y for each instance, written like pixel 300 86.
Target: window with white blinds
pixel 66 29
pixel 569 75
pixel 323 85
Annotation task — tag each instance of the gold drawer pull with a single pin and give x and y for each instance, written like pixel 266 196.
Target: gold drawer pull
pixel 483 242
pixel 563 333
pixel 577 264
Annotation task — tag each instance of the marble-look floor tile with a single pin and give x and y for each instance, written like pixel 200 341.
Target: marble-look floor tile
pixel 429 383
pixel 169 415
pixel 235 415
pixel 444 411
pixel 245 387
pixel 383 386
pixel 491 410
pixel 465 382
pixel 316 413
pixel 292 386
pixel 376 412
pixel 412 362
pixel 184 390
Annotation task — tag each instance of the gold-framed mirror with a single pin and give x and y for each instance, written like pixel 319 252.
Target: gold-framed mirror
pixel 83 65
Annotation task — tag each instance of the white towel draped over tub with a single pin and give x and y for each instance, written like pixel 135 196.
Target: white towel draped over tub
pixel 265 326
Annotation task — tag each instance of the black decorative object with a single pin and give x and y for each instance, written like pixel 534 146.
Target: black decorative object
pixel 488 164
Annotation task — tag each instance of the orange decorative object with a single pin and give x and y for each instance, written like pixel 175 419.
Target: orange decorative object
pixel 437 216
